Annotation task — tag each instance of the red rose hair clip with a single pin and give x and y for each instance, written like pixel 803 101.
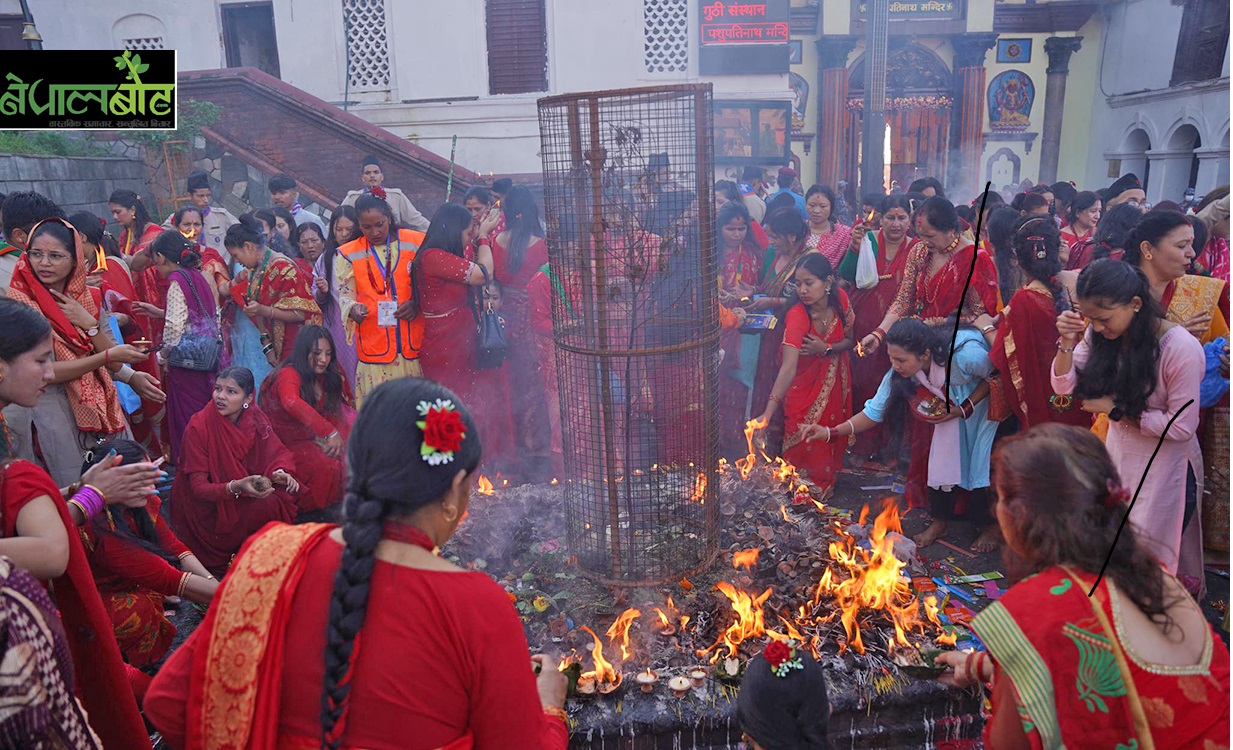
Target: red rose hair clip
pixel 782 657
pixel 443 429
pixel 378 192
pixel 1115 495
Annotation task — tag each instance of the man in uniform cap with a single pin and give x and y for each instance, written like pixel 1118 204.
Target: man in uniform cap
pixel 215 220
pixel 751 187
pixel 1125 190
pixel 787 178
pixel 285 192
pixel 405 213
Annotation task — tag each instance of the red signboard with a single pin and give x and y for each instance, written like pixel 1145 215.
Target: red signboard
pixel 744 23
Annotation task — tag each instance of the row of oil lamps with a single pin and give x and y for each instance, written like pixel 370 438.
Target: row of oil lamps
pixel 680 685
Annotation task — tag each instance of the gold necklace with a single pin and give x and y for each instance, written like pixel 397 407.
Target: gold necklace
pixel 951 247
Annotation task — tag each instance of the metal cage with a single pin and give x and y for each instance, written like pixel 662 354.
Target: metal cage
pixel 628 197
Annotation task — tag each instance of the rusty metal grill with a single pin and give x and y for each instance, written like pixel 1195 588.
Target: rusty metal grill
pixel 635 318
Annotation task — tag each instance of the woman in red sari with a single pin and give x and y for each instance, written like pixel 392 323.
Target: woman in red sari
pixel 38 533
pixel 1023 346
pixel 188 222
pixel 815 380
pixel 518 252
pixel 276 296
pixel 138 230
pixel 137 560
pixel 309 642
pixel 540 293
pixel 932 289
pixel 1133 664
pixel 110 271
pixel 235 476
pixel 1081 220
pixel 740 261
pixel 891 248
pixel 310 406
pixel 444 282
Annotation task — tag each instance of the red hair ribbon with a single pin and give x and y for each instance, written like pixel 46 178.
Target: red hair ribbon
pixel 1115 494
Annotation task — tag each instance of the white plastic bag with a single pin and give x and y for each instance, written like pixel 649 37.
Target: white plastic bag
pixel 867 264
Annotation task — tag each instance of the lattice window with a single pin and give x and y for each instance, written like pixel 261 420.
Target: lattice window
pixel 150 42
pixel 666 35
pixel 367 44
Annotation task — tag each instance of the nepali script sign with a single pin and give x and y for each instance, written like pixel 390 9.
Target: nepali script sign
pixel 918 10
pixel 88 90
pixel 744 23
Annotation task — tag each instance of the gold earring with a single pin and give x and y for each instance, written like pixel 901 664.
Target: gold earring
pixel 449 518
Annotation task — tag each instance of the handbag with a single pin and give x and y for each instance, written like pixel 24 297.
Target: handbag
pixel 492 345
pixel 197 351
pixel 867 264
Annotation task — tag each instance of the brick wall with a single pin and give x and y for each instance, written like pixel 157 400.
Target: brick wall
pixel 76 183
pixel 267 125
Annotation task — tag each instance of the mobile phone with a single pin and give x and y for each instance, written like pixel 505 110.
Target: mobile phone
pixel 155 349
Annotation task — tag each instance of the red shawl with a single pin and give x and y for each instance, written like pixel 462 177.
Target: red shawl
pixel 1023 353
pixel 99 674
pixel 279 283
pixel 93 397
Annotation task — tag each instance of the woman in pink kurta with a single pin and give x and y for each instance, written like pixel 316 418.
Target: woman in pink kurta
pixel 1107 356
pixel 826 235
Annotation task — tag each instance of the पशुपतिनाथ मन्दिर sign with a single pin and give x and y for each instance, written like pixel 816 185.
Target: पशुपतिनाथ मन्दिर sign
pixel 744 23
pixel 918 10
pixel 88 90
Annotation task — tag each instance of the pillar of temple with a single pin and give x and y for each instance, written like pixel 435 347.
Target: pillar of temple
pixel 1059 49
pixel 963 168
pixel 1213 168
pixel 833 54
pixel 1170 174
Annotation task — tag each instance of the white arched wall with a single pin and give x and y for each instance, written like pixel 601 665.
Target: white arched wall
pixel 1136 142
pixel 1213 161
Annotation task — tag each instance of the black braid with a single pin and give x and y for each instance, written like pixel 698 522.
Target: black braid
pixel 348 607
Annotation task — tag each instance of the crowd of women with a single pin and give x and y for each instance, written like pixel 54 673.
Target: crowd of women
pixel 245 365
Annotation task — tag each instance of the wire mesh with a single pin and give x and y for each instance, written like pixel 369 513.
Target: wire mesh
pixel 627 176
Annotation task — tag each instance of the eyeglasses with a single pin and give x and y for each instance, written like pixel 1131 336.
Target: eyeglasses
pixel 36 257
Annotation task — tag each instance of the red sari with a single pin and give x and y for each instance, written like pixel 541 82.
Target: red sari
pixel 99 673
pixel 1076 684
pixel 278 283
pixel 150 286
pixel 1023 354
pixel 539 298
pixel 740 270
pixel 528 411
pixel 450 346
pixel 133 581
pixel 933 299
pixel 302 426
pixel 821 393
pixel 454 676
pixel 211 521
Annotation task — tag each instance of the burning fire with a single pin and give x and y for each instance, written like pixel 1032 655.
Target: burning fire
pixel 699 489
pixel 620 630
pixel 485 486
pixel 750 621
pixel 784 471
pixel 746 558
pixel 746 465
pixel 874 581
pixel 603 668
pixel 665 625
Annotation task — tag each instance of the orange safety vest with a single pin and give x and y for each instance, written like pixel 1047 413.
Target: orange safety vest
pixel 378 344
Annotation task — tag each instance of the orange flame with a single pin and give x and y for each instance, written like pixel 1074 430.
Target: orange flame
pixel 750 621
pixel 746 465
pixel 699 489
pixel 684 621
pixel 746 558
pixel 620 630
pixel 783 511
pixel 603 671
pixel 784 471
pixel 874 581
pixel 485 486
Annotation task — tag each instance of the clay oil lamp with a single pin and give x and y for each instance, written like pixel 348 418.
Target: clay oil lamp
pixel 646 680
pixel 680 686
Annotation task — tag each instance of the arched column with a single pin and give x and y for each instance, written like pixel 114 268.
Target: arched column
pixel 1213 168
pixel 1059 50
pixel 833 54
pixel 1170 171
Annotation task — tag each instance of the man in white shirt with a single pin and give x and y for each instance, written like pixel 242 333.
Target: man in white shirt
pixel 215 220
pixel 405 213
pixel 285 193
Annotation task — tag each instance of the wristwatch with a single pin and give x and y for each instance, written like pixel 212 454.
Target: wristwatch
pixel 92 332
pixel 1116 414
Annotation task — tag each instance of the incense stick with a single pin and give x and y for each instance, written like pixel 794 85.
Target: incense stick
pixel 449 183
pixel 960 550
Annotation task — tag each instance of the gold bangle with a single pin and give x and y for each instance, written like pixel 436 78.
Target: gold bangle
pixel 558 713
pixel 183 583
pixel 84 515
pixel 96 489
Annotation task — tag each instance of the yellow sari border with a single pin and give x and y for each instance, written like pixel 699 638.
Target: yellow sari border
pixel 1027 670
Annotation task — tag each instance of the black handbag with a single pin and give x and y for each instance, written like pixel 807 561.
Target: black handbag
pixel 492 345
pixel 198 352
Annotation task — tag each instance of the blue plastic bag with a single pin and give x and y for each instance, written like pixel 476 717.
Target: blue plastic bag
pixel 129 399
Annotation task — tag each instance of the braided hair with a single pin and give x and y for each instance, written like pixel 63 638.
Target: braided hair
pixel 111 522
pixel 382 483
pixel 1036 242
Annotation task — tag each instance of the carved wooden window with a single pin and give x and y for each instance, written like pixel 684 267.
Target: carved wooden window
pixel 368 46
pixel 517 46
pixel 1202 41
pixel 666 35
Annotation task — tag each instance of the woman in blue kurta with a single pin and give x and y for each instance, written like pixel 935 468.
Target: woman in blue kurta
pixel 962 437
